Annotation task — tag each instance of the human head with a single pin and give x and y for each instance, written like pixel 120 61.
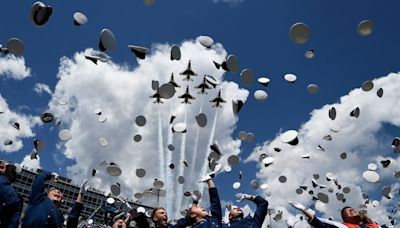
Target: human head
pixel 55 195
pixel 8 170
pixel 160 217
pixel 235 212
pixel 195 214
pixel 350 215
pixel 119 223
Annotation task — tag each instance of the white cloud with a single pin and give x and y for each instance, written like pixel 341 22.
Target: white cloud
pixel 42 87
pixel 8 132
pixel 28 162
pixel 364 140
pixel 123 93
pixel 14 67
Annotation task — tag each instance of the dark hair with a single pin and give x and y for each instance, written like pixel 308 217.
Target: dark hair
pixel 155 210
pixel 189 220
pixel 241 216
pixel 342 212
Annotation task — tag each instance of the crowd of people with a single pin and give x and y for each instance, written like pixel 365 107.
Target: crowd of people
pixel 43 209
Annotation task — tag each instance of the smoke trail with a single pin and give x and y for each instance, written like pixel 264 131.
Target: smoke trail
pixel 179 194
pixel 210 141
pixel 160 146
pixel 169 178
pixel 196 144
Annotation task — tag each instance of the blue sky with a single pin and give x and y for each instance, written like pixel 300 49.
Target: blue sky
pixel 255 31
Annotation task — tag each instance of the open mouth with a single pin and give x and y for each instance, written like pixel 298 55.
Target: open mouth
pixel 119 226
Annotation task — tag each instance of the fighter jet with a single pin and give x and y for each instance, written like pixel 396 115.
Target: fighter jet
pixel 203 86
pixel 186 96
pixel 188 72
pixel 218 100
pixel 172 81
pixel 157 96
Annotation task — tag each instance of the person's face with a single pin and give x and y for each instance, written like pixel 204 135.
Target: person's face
pixel 235 212
pixel 199 212
pixel 120 223
pixel 9 171
pixel 161 218
pixel 350 214
pixel 56 196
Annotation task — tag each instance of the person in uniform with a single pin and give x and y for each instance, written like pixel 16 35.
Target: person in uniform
pixel 10 202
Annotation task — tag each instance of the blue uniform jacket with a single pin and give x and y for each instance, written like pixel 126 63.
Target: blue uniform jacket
pixel 216 212
pixel 316 223
pixel 41 211
pixel 252 222
pixel 10 204
pixel 73 216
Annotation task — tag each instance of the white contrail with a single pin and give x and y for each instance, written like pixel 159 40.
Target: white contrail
pixel 210 141
pixel 160 146
pixel 180 166
pixel 196 144
pixel 169 185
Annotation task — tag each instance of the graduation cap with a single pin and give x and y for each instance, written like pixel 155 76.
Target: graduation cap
pixel 386 192
pixel 291 78
pixel 396 142
pixel 237 106
pixel 171 166
pixel 140 121
pixel 343 155
pixel 201 119
pixel 299 191
pixel 371 176
pixel 140 172
pixel 233 160
pixel 278 216
pixel 94 171
pixel 240 175
pixel 260 95
pixel 385 163
pixel 40 13
pixel 215 147
pixel 247 77
pixel 367 86
pixel 15 125
pixel 158 184
pixel 312 88
pixel 64 135
pixel 332 113
pixel 365 28
pixel 57 122
pixel 276 149
pixel 314 183
pixel 137 138
pixel 249 137
pixel 316 176
pixel 379 93
pixel 8 142
pixel 39 145
pixel 346 190
pixel 372 166
pixel 92 58
pixel 107 40
pixel 175 53
pixel 140 52
pixel 327 137
pixel 148 2
pixel 103 142
pixel 185 163
pixel 324 198
pixel 355 112
pixel 171 147
pixel 47 117
pixel 80 19
pixel 232 63
pixel 306 156
pixel 227 168
pixel 34 155
pixel 282 179
pixel 330 176
pixel 254 184
pixel 116 189
pixel 181 180
pixel 15 46
pixel 236 185
pixel 167 90
pixel 263 81
pixel 299 33
pixel 113 169
pixel 179 127
pixel 319 147
pixel 206 41
pixel 309 54
pixel 268 160
pixel 290 137
pixel 211 80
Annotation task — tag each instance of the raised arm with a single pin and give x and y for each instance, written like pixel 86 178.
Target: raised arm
pixel 37 193
pixel 73 216
pixel 261 211
pixel 312 220
pixel 216 210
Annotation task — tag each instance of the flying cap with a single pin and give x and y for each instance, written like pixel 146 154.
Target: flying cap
pixel 80 19
pixel 201 119
pixel 107 40
pixel 47 117
pixel 158 184
pixel 260 95
pixel 232 63
pixel 181 180
pixel 249 137
pixel 175 52
pixel 167 90
pixel 237 106
pixel 140 121
pixel 137 138
pixel 371 176
pixel 290 78
pixel 233 160
pixel 113 169
pixel 179 127
pixel 299 33
pixel 103 142
pixel 372 166
pixel 263 81
pixel 254 184
pixel 290 137
pixel 148 2
pixel 97 111
pixel 206 41
pixel 116 189
pixel 140 172
pixel 64 135
pixel 40 13
pixel 355 112
pixel 365 28
pixel 268 160
pixel 139 52
pixel 367 86
pixel 324 198
pixel 379 93
pixel 247 76
pixel 332 113
pixel 312 88
pixel 282 179
pixel 343 155
pixel 236 185
pixel 385 163
pixel 309 54
pixel 15 46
